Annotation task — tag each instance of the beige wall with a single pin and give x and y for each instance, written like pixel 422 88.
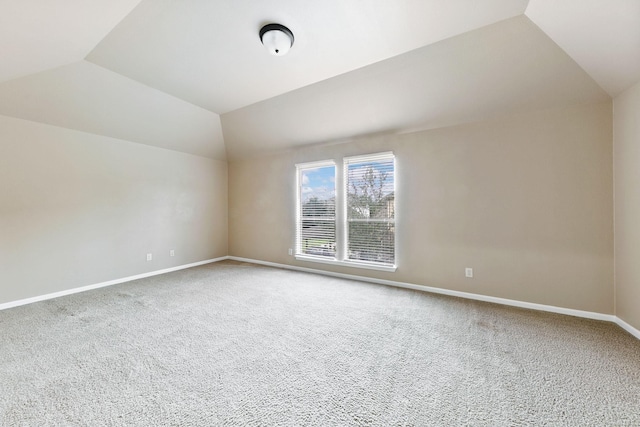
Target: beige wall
pixel 626 109
pixel 78 209
pixel 525 200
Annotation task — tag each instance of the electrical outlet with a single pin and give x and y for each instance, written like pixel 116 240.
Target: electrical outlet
pixel 172 252
pixel 468 272
pixel 149 257
pixel 290 251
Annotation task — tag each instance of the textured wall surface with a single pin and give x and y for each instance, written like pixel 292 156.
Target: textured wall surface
pixel 78 209
pixel 525 200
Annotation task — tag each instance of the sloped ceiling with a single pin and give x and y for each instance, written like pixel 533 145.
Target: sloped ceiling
pixel 502 68
pixel 36 35
pixel 209 53
pixel 180 74
pixel 86 97
pixel 603 37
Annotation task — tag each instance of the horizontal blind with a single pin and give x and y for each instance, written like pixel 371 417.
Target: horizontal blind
pixel 370 208
pixel 316 210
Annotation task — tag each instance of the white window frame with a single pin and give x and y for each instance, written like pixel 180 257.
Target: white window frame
pixel 341 212
pixel 300 168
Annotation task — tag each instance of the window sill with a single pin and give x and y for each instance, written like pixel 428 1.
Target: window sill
pixel 354 264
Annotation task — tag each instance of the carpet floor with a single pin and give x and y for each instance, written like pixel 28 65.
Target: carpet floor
pixel 235 344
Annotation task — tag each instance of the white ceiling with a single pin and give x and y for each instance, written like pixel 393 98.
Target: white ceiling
pixel 209 53
pixel 503 68
pixel 37 35
pixel 87 97
pixel 160 72
pixel 603 36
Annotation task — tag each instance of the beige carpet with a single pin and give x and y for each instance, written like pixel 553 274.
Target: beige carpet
pixel 234 344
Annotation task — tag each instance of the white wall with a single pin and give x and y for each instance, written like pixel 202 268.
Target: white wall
pixel 78 209
pixel 525 200
pixel 626 117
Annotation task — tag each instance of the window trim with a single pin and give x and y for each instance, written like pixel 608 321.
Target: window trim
pixel 365 158
pixel 298 232
pixel 341 213
pixel 346 263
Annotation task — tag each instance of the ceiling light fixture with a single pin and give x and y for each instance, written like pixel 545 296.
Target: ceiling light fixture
pixel 277 38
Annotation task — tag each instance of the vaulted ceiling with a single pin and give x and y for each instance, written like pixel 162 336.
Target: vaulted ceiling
pixel 192 76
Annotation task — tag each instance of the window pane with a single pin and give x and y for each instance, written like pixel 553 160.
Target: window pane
pixel 371 241
pixel 371 210
pixel 318 237
pixel 317 210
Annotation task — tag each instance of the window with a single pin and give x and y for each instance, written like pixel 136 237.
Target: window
pixel 370 208
pixel 346 215
pixel 316 225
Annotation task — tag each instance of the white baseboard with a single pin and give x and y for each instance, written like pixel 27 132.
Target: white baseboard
pixel 25 301
pixel 467 295
pixel 627 327
pixel 533 306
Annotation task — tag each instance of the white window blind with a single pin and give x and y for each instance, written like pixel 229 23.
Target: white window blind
pixel 369 185
pixel 316 210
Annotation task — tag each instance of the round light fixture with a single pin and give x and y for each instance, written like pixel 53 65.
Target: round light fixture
pixel 277 38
